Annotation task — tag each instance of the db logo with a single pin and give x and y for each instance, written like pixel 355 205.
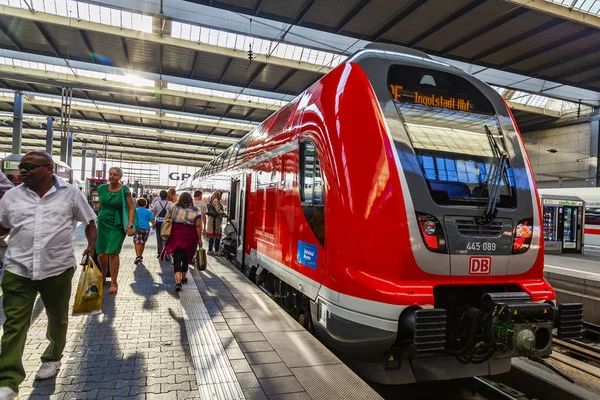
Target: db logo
pixel 480 265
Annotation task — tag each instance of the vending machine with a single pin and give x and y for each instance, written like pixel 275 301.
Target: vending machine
pixel 562 223
pixel 92 192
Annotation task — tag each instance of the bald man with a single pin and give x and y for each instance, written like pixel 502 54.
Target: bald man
pixel 41 215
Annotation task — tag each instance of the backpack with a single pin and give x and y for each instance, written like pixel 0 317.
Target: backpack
pixel 161 215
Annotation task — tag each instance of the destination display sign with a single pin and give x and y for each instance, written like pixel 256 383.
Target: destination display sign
pixel 436 89
pixel 432 100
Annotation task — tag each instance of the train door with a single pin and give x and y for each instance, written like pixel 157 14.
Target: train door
pixel 238 214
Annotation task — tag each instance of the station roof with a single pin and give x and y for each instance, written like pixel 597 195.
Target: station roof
pixel 192 84
pixel 557 40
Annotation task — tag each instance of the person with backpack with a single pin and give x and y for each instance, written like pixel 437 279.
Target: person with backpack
pixel 161 208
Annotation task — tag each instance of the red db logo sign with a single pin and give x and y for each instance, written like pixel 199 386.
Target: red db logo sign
pixel 480 265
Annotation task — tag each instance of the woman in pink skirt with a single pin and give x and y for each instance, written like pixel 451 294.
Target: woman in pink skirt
pixel 186 234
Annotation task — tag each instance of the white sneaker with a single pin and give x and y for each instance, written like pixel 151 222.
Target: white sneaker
pixel 7 393
pixel 48 370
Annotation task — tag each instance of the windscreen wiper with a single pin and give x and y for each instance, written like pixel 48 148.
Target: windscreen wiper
pixel 500 173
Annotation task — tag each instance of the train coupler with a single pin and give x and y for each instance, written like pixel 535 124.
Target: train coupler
pixel 521 327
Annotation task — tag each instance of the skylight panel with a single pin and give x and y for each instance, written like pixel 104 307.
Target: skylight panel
pixel 585 6
pixel 87 12
pixel 266 47
pixel 226 95
pixel 128 79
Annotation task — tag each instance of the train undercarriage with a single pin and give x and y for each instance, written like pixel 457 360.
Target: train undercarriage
pixel 469 326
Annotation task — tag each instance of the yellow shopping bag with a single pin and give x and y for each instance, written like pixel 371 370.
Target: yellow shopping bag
pixel 89 289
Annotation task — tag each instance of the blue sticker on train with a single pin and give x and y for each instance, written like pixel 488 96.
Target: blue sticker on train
pixel 307 254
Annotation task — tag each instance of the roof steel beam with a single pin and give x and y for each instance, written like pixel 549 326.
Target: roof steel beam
pixel 125 51
pixel 225 70
pixel 283 80
pixel 399 17
pixel 258 7
pixel 549 46
pixel 353 13
pixel 518 38
pixel 446 21
pixel 47 38
pixel 560 11
pixel 39 17
pixel 572 57
pixel 493 25
pixel 88 45
pixel 10 36
pixel 577 71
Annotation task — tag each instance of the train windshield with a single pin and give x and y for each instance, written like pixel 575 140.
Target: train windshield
pixel 455 134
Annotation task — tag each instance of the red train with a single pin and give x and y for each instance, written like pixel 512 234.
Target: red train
pixel 392 208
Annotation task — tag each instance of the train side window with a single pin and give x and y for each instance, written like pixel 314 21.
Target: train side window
pixel 317 185
pixel 311 190
pixel 307 169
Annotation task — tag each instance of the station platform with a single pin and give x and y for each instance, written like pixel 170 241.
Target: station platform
pixel 220 338
pixel 576 278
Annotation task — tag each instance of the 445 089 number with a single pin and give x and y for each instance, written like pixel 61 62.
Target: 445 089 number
pixel 481 246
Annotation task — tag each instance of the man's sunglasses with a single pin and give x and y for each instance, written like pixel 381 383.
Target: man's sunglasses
pixel 31 167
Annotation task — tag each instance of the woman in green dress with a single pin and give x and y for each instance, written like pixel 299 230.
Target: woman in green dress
pixel 111 226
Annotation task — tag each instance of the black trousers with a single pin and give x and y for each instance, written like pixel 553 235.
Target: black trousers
pixel 216 242
pixel 180 260
pixel 159 239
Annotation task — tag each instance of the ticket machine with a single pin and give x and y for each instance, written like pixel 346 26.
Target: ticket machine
pixel 10 168
pixel 563 218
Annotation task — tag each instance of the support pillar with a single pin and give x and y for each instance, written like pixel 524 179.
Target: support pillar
pixel 596 149
pixel 83 161
pixel 94 164
pixel 70 149
pixel 49 134
pixel 17 124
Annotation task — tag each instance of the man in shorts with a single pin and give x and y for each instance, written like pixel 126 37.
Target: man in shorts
pixel 146 217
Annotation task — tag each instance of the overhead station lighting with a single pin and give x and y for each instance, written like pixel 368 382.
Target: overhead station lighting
pixel 228 40
pixel 87 12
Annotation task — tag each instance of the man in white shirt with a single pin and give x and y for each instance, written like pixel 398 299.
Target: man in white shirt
pixel 201 206
pixel 41 215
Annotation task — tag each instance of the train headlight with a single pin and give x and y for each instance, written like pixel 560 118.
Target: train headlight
pixel 522 236
pixel 429 227
pixel 432 233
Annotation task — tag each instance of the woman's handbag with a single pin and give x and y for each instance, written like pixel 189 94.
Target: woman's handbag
pixel 200 259
pixel 167 226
